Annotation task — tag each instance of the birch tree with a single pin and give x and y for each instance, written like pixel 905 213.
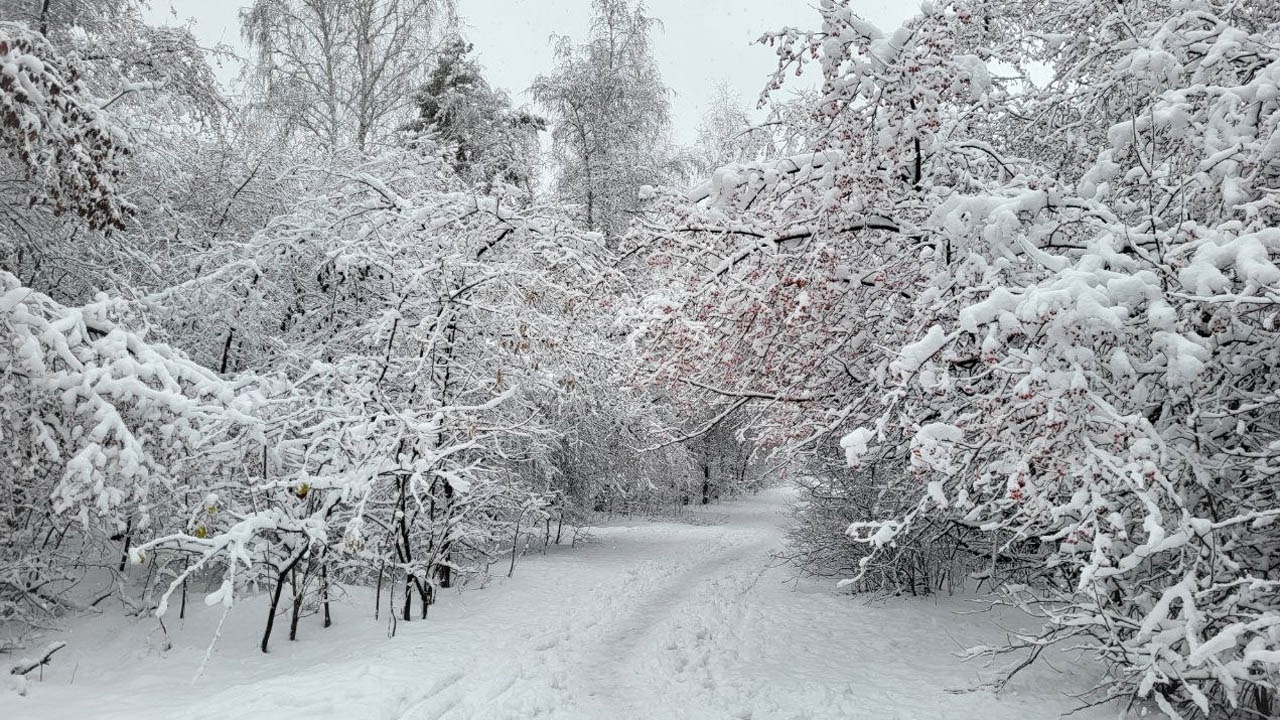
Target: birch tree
pixel 342 73
pixel 609 115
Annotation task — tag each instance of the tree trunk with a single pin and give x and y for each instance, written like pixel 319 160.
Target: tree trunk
pixel 275 598
pixel 426 596
pixel 706 482
pixel 377 596
pixel 296 610
pixel 408 596
pixel 514 542
pixel 324 593
pixel 405 550
pixel 182 610
pixel 226 351
pixel 391 609
pixel 445 576
pixel 128 541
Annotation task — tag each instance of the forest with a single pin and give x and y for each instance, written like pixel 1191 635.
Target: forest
pixel 993 295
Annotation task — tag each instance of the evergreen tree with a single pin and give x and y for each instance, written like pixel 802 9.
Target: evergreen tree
pixel 487 139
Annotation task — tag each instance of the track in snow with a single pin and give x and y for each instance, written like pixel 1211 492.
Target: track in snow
pixel 611 678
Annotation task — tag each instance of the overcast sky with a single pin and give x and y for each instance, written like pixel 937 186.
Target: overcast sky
pixel 702 43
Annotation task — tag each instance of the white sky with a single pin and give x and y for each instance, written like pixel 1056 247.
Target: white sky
pixel 702 43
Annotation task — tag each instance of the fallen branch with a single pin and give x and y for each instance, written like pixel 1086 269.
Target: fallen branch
pixel 26 665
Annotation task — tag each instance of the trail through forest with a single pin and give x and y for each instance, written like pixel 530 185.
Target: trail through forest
pixel 996 286
pixel 646 619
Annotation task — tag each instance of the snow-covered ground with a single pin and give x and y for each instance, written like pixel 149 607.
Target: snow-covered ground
pixel 653 620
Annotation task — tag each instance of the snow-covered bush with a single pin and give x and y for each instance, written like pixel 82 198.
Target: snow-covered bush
pixel 932 556
pixel 420 342
pixel 99 425
pixel 67 154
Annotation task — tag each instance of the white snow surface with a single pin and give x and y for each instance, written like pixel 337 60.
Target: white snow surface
pixel 651 620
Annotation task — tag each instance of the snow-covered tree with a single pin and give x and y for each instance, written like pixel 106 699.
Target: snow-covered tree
pixel 727 135
pixel 609 115
pixel 489 140
pixel 342 73
pixel 1038 313
pixel 190 162
pixel 418 341
pixel 99 425
pixel 61 151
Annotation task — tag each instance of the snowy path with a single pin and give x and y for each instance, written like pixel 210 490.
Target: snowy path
pixel 654 620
